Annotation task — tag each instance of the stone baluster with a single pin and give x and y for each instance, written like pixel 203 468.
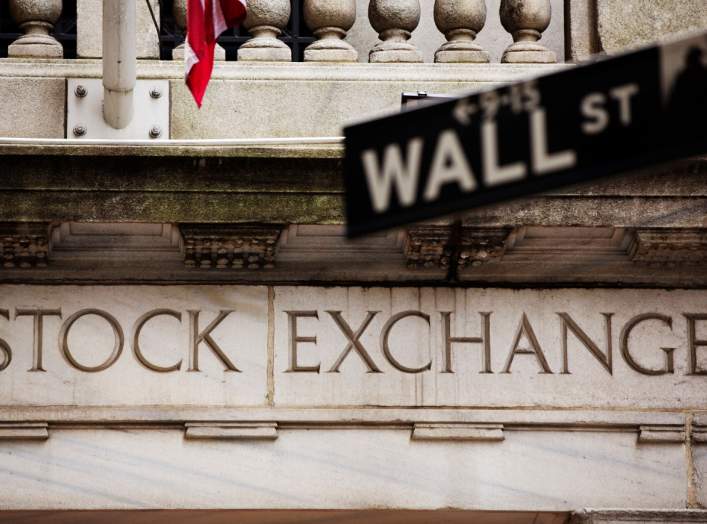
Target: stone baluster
pixel 394 20
pixel 526 20
pixel 265 21
pixel 329 20
pixel 36 18
pixel 179 11
pixel 460 21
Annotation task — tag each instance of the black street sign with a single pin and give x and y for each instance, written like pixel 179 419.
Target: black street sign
pixel 609 116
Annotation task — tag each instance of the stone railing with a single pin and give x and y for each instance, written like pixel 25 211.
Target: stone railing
pixel 330 21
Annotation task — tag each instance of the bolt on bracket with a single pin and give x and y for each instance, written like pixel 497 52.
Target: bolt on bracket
pixel 84 111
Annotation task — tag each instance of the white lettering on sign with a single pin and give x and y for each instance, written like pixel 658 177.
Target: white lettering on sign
pixel 396 172
pixel 495 174
pixel 593 107
pixel 598 117
pixel 449 165
pixel 544 161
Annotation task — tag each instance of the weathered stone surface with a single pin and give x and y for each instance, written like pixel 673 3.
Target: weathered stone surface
pixel 698 482
pixel 23 246
pixel 341 468
pixel 297 109
pixel 245 516
pixel 315 99
pixel 428 247
pixel 628 23
pixel 265 21
pixel 460 21
pixel 476 380
pixel 36 18
pixel 253 100
pixel 164 341
pixel 582 38
pixel 669 247
pixel 89 39
pixel 478 246
pixel 526 20
pixel 229 246
pixel 32 109
pixel 394 20
pixel 685 516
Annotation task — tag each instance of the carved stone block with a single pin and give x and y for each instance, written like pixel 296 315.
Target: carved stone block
pixel 479 246
pixel 458 432
pixel 663 434
pixel 24 245
pixel 668 246
pixel 230 247
pixel 428 246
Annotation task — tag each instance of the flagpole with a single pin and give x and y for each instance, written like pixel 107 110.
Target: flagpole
pixel 119 62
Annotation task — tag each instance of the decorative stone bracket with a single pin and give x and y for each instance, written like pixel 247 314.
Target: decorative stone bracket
pixel 667 434
pixel 459 432
pixel 446 246
pixel 24 245
pixel 218 246
pixel 479 246
pixel 699 434
pixel 230 430
pixel 24 431
pixel 428 246
pixel 668 246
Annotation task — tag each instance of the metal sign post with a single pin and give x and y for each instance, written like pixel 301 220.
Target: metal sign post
pixel 607 117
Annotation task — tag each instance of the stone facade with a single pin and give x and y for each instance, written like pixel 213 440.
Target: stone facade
pixel 184 325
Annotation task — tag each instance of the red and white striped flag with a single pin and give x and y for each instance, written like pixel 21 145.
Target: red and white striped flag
pixel 206 20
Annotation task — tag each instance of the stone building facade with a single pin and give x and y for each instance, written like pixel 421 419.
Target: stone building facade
pixel 183 325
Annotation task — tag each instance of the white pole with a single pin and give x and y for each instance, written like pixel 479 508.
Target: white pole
pixel 119 60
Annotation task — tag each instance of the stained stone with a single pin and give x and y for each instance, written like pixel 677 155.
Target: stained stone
pixel 36 18
pixel 628 23
pixel 460 21
pixel 526 20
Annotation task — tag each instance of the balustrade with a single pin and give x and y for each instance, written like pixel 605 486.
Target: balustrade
pixel 329 20
pixel 394 20
pixel 460 21
pixel 265 21
pixel 526 20
pixel 274 30
pixel 36 19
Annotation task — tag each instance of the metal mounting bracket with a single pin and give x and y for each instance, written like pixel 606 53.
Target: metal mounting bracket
pixel 84 111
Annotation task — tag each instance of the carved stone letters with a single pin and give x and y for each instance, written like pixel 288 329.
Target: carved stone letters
pixel 407 341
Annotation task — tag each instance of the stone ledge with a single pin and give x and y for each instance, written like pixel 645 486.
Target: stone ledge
pixel 512 419
pixel 458 432
pixel 665 434
pixel 304 71
pixel 24 431
pixel 230 431
pixel 598 516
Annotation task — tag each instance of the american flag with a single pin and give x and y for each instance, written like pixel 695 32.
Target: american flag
pixel 206 20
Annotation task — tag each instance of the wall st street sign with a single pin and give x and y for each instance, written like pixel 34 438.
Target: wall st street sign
pixel 607 117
